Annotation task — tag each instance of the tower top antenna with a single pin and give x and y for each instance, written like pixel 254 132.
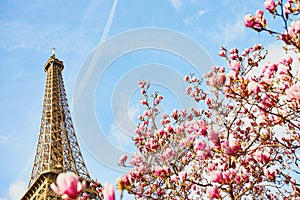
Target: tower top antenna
pixel 53 51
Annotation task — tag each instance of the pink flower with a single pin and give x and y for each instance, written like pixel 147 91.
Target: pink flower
pixel 259 13
pixel 222 53
pixel 217 177
pixel 123 160
pixel 221 78
pixel 158 99
pixel 233 51
pixel 142 84
pixel 199 145
pixel 84 196
pixel 259 156
pixel 270 5
pixel 260 21
pixel 186 78
pixel 68 186
pixel 235 65
pixel 287 8
pixel 249 21
pixel 194 79
pixel 108 191
pixel 174 178
pixel 257 22
pixel 232 74
pixel 287 61
pixel 182 175
pixel 213 136
pixel 293 92
pixel 269 173
pixel 213 192
pixel 253 87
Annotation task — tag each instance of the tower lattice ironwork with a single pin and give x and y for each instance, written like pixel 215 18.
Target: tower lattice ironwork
pixel 57 149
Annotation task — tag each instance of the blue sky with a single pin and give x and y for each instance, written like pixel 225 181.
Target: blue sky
pixel 28 31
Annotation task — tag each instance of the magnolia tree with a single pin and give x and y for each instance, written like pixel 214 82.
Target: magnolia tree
pixel 242 144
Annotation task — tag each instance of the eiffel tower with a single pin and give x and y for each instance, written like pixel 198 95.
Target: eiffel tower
pixel 57 149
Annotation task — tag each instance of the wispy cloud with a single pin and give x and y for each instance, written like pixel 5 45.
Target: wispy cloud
pixel 123 128
pixel 191 21
pixel 15 191
pixel 230 31
pixel 4 138
pixel 176 4
pixel 21 35
pixel 120 137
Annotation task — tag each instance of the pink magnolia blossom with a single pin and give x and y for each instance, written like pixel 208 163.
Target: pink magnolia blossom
pixel 108 191
pixel 217 177
pixel 234 51
pixel 235 65
pixel 270 5
pixel 269 173
pixel 182 175
pixel 68 186
pixel 287 8
pixel 213 192
pixel 216 80
pixel 293 92
pixel 174 178
pixel 199 145
pixel 263 157
pixel 123 160
pixel 253 87
pixel 257 47
pixel 84 196
pixel 259 13
pixel 232 74
pixel 222 54
pixel 257 22
pixel 221 78
pixel 186 78
pixel 213 136
pixel 249 21
pixel 287 61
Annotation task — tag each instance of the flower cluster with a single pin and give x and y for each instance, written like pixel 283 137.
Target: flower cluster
pixel 229 149
pixel 257 22
pixel 286 12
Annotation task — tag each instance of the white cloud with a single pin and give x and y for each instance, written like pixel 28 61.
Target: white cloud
pixel 122 139
pixel 230 31
pixel 125 118
pixel 15 190
pixel 176 4
pixel 276 52
pixel 4 138
pixel 123 127
pixel 19 35
pixel 190 21
pixel 201 12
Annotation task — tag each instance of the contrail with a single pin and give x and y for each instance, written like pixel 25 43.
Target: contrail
pixel 92 66
pixel 109 21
